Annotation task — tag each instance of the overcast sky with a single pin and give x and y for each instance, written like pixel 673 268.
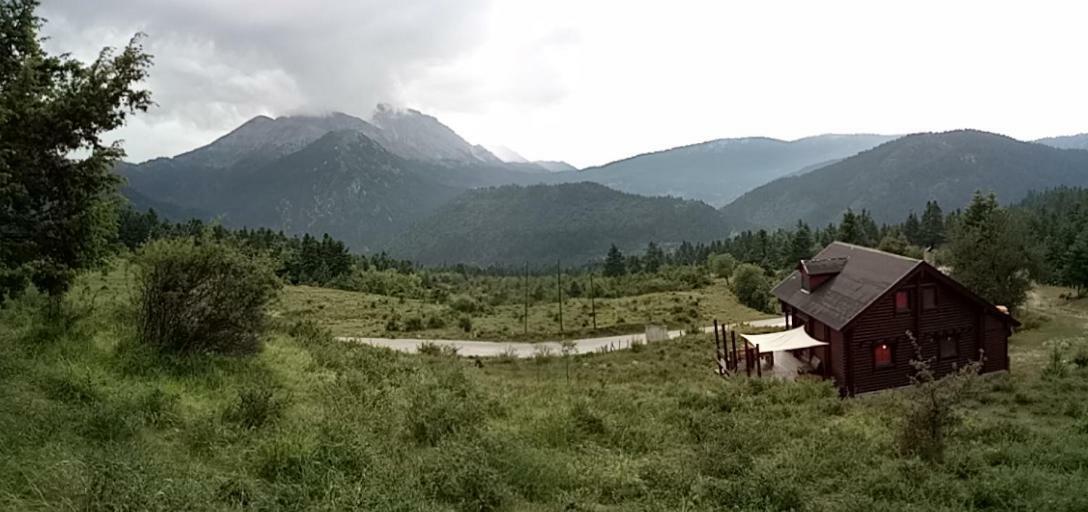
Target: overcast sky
pixel 590 82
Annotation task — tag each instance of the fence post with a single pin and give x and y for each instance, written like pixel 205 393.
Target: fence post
pixel 759 363
pixel 717 345
pixel 733 334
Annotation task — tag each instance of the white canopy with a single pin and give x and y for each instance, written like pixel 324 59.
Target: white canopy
pixel 793 339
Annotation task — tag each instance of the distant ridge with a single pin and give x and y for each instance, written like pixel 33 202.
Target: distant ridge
pixel 537 224
pixel 719 171
pixel 900 175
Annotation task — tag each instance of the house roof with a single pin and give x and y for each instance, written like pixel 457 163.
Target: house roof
pixel 865 275
pixel 822 266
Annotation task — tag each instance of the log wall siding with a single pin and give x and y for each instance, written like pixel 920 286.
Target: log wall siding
pixel 955 315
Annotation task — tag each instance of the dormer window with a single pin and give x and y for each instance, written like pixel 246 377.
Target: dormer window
pixel 818 271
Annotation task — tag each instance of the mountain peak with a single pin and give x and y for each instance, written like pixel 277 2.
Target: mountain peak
pixel 413 134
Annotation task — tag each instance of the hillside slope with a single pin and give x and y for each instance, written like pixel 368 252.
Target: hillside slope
pixel 540 223
pixel 721 170
pixel 895 177
pixel 1078 141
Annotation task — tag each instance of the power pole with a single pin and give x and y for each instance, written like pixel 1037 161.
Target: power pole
pixel 559 288
pixel 526 318
pixel 592 300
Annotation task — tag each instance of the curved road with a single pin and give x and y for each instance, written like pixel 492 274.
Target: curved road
pixel 476 348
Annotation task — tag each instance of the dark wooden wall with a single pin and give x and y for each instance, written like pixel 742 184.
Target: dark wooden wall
pixel 955 315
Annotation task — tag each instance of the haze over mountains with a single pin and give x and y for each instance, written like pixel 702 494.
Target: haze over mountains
pixel 719 171
pixel 405 182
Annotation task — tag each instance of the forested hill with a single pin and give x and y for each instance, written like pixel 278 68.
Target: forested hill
pixel 720 170
pixel 576 222
pixel 895 177
pixel 1079 141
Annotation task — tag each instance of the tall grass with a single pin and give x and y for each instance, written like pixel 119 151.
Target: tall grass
pixel 90 420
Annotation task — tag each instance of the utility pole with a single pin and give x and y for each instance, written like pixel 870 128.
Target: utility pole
pixel 559 288
pixel 592 300
pixel 526 318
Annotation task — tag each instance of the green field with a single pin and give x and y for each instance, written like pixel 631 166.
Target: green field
pixel 90 420
pixel 361 314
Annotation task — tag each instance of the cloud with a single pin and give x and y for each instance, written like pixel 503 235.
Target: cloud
pixel 218 63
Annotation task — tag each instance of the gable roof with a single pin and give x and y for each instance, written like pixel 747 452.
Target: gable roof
pixel 866 275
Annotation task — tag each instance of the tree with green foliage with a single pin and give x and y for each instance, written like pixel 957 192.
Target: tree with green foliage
pixel 614 264
pixel 653 259
pixel 751 286
pixel 912 228
pixel 1075 272
pixel 57 186
pixel 990 252
pixel 932 232
pixel 850 230
pixel 723 265
pixel 894 242
pixel 800 245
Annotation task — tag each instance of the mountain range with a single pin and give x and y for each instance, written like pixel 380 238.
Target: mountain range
pixel 405 182
pixel 719 171
pixel 541 223
pixel 898 176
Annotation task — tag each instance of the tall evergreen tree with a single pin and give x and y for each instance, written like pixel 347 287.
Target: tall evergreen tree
pixel 932 226
pixel 850 229
pixel 912 229
pixel 1075 273
pixel 800 245
pixel 653 259
pixel 614 264
pixel 57 186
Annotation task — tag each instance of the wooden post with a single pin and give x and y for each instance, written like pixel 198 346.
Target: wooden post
pixel 559 288
pixel 526 319
pixel 747 360
pixel 717 344
pixel 759 363
pixel 733 334
pixel 592 301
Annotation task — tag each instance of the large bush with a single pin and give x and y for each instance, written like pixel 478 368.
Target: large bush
pixel 751 286
pixel 202 296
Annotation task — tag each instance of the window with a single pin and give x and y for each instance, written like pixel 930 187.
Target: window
pixel 929 298
pixel 902 301
pixel 882 355
pixel 948 347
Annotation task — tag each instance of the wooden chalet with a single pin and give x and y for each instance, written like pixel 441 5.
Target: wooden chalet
pixel 863 302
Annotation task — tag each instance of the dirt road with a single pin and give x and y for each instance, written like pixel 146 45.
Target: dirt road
pixel 470 348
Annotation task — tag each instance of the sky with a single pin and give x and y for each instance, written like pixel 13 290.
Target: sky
pixel 589 81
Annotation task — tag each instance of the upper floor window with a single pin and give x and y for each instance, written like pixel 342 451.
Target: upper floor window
pixel 882 355
pixel 902 301
pixel 929 298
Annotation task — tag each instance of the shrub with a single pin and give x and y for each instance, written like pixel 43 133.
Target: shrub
pixel 465 323
pixel 933 406
pixel 413 323
pixel 751 286
pixel 255 408
pixel 435 322
pixel 202 296
pixel 464 304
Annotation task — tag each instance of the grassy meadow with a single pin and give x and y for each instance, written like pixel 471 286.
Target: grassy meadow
pixel 348 313
pixel 92 420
